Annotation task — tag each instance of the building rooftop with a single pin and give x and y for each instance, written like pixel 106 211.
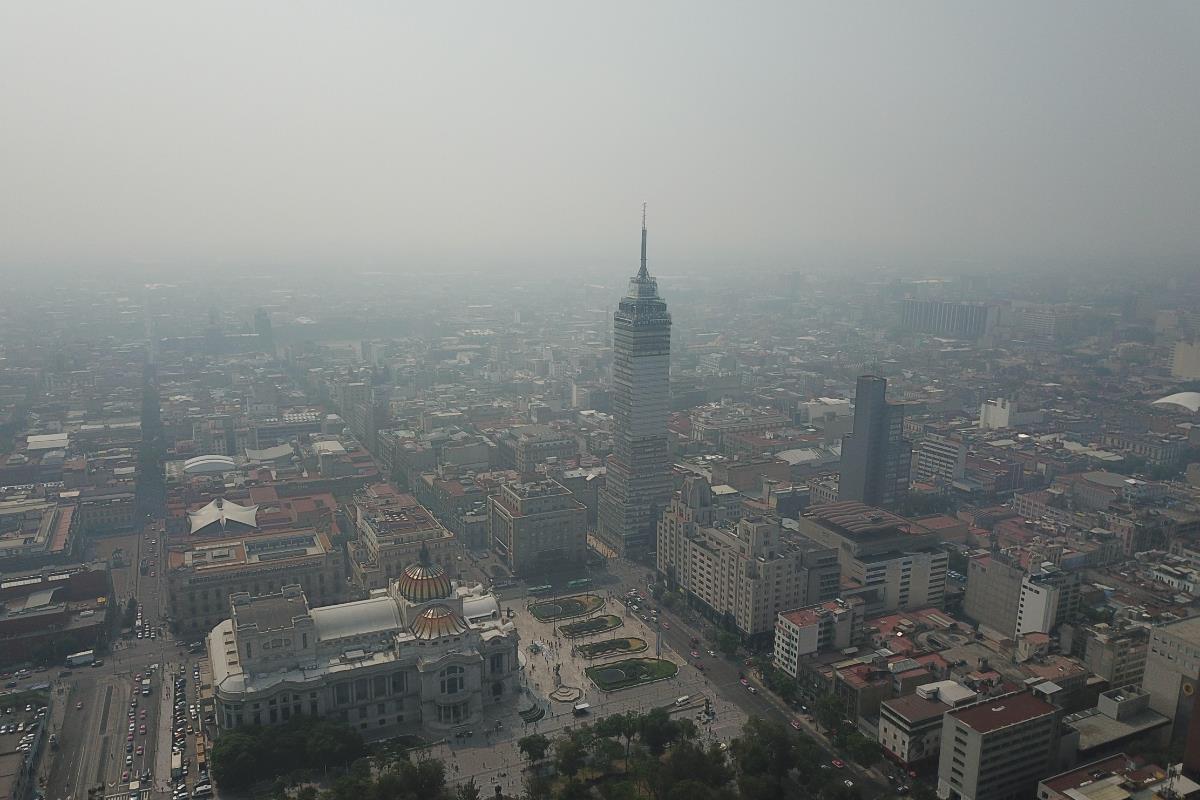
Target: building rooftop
pixel 1001 712
pixel 1186 629
pixel 855 519
pixel 914 708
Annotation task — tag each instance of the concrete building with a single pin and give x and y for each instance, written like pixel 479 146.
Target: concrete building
pixel 425 654
pixel 1185 361
pixel 940 459
pixel 537 525
pixel 525 447
pixel 393 529
pixel 201 577
pixel 744 572
pixel 1117 654
pixel 876 458
pixel 1003 413
pixel 892 563
pixel 1049 597
pixel 997 749
pixel 638 481
pixel 1118 777
pixel 1172 675
pixel 820 627
pixel 957 320
pixel 910 727
pixel 994 592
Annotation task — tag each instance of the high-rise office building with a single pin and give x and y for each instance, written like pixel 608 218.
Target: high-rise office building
pixel 960 320
pixel 876 457
pixel 638 484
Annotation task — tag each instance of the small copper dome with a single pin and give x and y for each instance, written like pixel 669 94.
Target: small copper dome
pixel 438 621
pixel 421 583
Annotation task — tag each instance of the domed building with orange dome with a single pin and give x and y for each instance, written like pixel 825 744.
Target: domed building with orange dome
pixel 424 653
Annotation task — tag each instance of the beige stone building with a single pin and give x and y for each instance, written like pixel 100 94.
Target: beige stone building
pixel 201 577
pixel 393 529
pixel 745 571
pixel 537 525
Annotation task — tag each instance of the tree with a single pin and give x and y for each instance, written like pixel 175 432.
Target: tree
pixel 467 791
pixel 570 755
pixel 533 746
pixel 727 643
pixel 828 711
pixel 537 787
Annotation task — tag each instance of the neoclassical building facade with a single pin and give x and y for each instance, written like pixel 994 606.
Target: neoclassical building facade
pixel 423 653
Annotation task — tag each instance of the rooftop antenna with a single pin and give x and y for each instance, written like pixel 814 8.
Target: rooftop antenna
pixel 642 273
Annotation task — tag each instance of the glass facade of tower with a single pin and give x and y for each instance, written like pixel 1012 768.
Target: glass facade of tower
pixel 638 484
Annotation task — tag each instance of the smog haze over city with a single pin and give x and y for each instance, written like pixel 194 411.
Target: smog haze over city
pixel 523 137
pixel 609 401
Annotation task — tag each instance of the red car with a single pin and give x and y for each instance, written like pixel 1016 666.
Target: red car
pixel 694 654
pixel 666 625
pixel 837 762
pixel 744 682
pixel 796 724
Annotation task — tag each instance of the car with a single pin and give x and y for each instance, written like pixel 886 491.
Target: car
pixel 849 784
pixel 129 747
pixel 751 690
pixel 744 682
pixel 79 705
pixel 131 727
pixel 143 714
pixel 140 749
pixel 129 760
pixel 712 653
pixel 129 738
pixel 125 776
pixel 142 729
pixel 137 677
pixel 837 762
pixel 694 654
pixel 666 625
pixel 699 666
pixel 796 724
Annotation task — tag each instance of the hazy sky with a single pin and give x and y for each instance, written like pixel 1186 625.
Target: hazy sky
pixel 356 135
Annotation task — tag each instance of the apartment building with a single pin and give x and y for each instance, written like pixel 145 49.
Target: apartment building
pixel 537 525
pixel 997 749
pixel 1049 597
pixel 745 571
pixel 1116 653
pixel 820 627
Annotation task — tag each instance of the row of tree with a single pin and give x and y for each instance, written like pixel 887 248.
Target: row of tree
pixel 245 756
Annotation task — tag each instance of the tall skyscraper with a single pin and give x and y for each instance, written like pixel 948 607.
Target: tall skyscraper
pixel 875 456
pixel 638 485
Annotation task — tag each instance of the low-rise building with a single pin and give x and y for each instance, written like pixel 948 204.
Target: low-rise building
pixel 910 727
pixel 1118 777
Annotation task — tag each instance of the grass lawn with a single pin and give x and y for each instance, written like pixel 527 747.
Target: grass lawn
pixel 565 607
pixel 600 624
pixel 630 672
pixel 609 647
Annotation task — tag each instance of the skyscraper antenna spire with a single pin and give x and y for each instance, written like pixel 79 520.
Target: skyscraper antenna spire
pixel 642 273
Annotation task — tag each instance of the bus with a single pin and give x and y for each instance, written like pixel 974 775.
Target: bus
pixel 81 658
pixel 541 589
pixel 581 583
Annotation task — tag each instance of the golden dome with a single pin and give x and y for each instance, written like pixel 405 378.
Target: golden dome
pixel 421 583
pixel 436 622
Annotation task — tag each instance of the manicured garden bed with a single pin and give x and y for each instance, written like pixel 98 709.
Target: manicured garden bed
pixel 565 607
pixel 600 624
pixel 631 672
pixel 609 647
